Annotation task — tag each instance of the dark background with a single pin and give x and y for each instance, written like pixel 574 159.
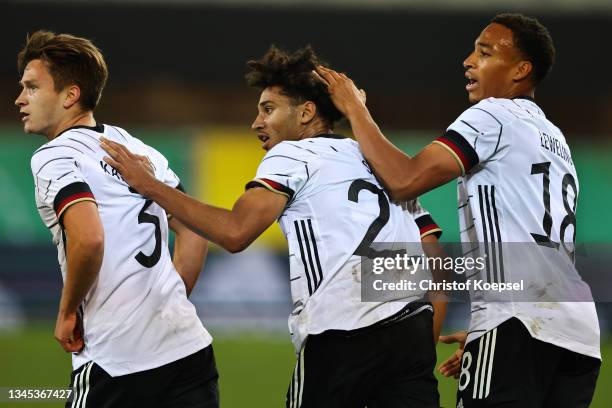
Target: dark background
pixel 185 64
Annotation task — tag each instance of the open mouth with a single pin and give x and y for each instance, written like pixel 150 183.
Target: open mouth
pixel 471 85
pixel 24 116
pixel 263 138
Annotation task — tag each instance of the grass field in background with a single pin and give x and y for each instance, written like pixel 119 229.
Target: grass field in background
pixel 254 369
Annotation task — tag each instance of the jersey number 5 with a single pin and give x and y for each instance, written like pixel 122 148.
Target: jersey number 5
pixel 150 261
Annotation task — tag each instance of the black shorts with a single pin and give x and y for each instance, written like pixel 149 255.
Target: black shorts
pixel 508 368
pixel 188 382
pixel 384 366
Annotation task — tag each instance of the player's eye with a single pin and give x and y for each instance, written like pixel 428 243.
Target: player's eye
pixel 268 110
pixel 484 54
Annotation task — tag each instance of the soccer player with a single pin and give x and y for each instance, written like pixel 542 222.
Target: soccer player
pixel 124 315
pixel 331 209
pixel 517 183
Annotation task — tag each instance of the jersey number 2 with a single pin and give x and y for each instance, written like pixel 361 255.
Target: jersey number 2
pixel 364 248
pixel 150 261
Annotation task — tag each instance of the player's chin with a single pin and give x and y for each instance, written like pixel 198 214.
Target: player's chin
pixel 30 128
pixel 474 97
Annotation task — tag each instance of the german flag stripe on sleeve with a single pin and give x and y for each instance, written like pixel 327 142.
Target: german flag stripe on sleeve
pixel 271 185
pixel 461 150
pixel 71 194
pixel 428 226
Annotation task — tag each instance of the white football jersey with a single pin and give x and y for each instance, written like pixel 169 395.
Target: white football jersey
pixel 336 208
pixel 136 316
pixel 520 186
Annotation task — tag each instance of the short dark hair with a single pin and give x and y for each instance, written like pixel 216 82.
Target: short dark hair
pixel 532 40
pixel 293 73
pixel 70 60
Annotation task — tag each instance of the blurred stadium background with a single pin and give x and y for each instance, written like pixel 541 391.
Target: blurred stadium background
pixel 176 81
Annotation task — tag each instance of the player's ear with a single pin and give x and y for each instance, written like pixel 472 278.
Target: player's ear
pixel 308 112
pixel 73 95
pixel 523 70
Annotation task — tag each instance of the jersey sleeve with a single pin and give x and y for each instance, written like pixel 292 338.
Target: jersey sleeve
pixel 474 138
pixel 59 182
pixel 422 218
pixel 282 171
pixel 161 167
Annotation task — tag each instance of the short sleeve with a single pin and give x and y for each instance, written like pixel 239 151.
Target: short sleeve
pixel 171 179
pixel 59 182
pixel 282 171
pixel 422 218
pixel 162 169
pixel 474 138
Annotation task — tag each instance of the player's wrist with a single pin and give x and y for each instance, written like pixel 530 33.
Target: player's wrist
pixel 66 311
pixel 149 187
pixel 356 110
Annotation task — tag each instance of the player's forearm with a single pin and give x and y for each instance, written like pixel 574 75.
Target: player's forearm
pixel 433 249
pixel 218 225
pixel 189 255
pixel 439 307
pixel 83 263
pixel 392 166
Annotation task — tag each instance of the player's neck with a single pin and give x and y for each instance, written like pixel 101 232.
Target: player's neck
pixel 80 119
pixel 523 91
pixel 318 129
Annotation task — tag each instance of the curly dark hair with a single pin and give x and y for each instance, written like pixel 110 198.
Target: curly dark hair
pixel 532 40
pixel 293 73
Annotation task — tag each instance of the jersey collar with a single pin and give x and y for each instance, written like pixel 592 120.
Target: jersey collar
pixel 529 98
pixel 330 136
pixel 98 128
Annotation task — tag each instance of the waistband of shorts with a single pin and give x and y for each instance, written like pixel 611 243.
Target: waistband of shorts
pixel 408 311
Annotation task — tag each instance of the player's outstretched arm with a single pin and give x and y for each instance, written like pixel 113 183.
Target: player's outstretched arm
pixel 189 255
pixel 405 178
pixel 84 253
pixel 233 229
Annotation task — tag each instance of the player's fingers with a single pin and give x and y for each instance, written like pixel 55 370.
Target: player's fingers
pixel 448 363
pixel 325 74
pixel 320 78
pixel 335 75
pixel 329 74
pixel 113 163
pixel 122 151
pixel 79 345
pixel 116 150
pixel 111 150
pixel 65 344
pixel 449 370
pixel 447 339
pixel 452 338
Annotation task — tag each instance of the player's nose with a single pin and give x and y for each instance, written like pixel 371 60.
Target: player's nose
pixel 257 123
pixel 468 62
pixel 20 101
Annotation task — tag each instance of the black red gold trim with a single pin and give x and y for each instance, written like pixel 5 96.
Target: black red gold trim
pixel 461 150
pixel 428 226
pixel 71 194
pixel 271 185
